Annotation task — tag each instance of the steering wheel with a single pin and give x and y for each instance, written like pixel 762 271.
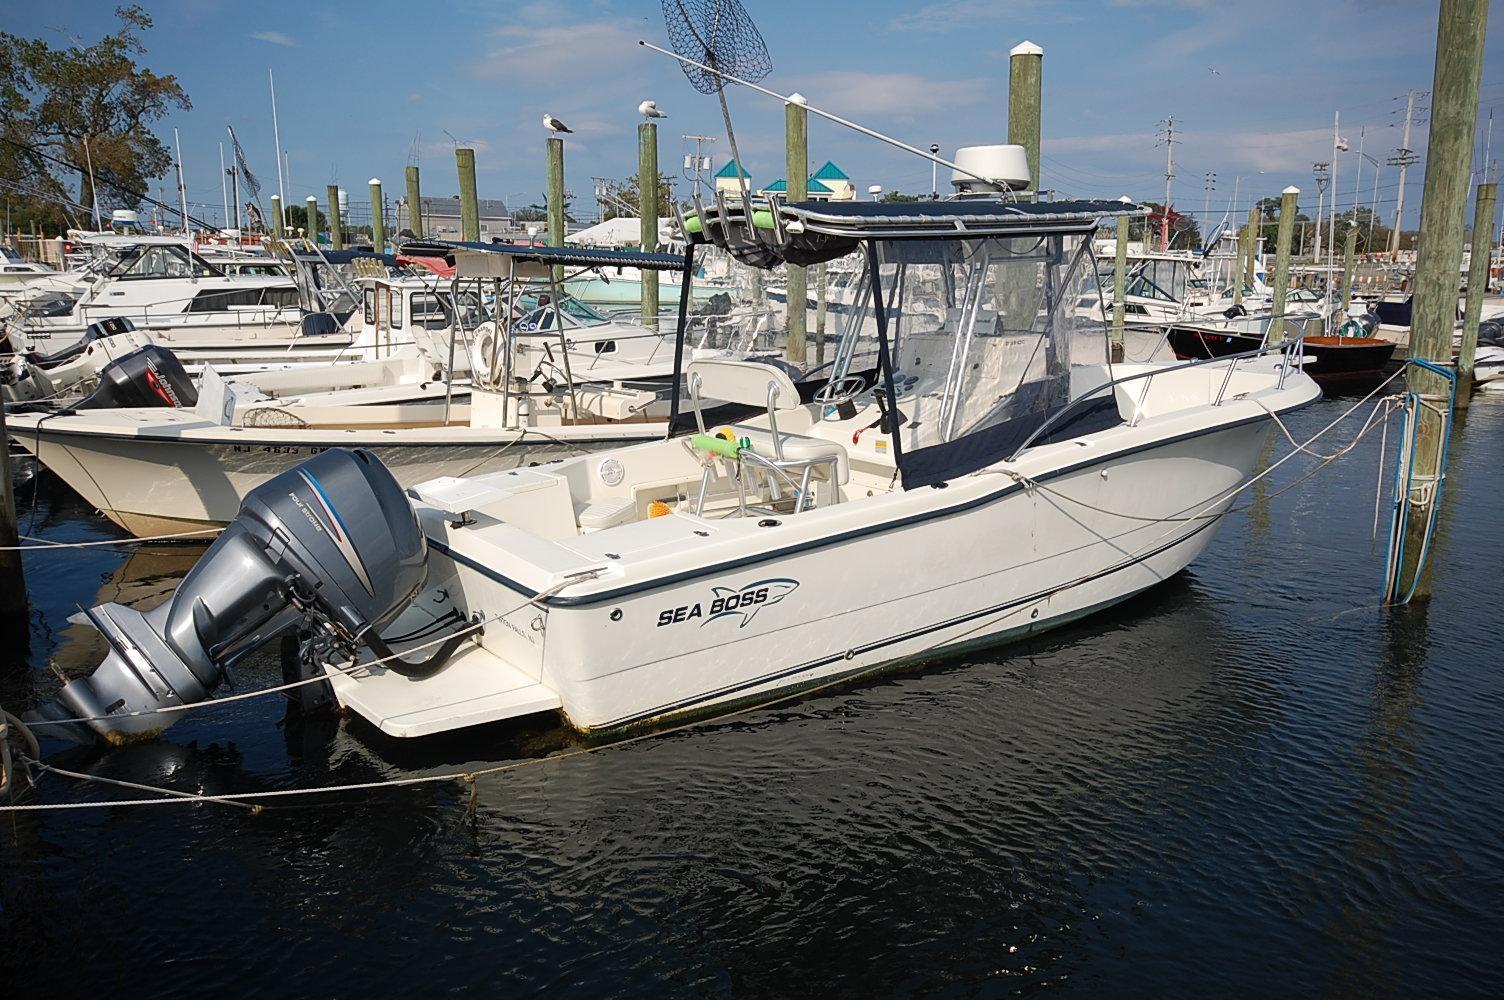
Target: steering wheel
pixel 841 391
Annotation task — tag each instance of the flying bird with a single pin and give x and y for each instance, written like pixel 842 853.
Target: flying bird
pixel 649 109
pixel 1213 71
pixel 554 125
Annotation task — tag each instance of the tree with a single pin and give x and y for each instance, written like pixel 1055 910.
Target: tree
pixel 629 193
pixel 85 105
pixel 896 196
pixel 538 210
pixel 295 217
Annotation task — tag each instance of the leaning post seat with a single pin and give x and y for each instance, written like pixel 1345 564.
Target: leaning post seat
pixel 782 459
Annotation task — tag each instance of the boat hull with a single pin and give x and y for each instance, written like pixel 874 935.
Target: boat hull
pixel 1014 563
pixel 153 486
pixel 1332 359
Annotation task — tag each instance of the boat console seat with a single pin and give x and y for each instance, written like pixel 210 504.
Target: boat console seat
pixel 793 468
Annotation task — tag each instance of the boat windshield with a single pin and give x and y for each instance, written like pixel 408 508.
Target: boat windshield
pixel 160 260
pixel 983 334
pixel 535 311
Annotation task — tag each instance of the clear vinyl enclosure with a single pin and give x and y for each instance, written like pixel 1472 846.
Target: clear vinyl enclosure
pixel 983 334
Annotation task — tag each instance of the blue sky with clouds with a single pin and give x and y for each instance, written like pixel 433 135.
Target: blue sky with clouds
pixel 364 89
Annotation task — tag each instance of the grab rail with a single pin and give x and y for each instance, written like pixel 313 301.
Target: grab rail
pixel 1293 351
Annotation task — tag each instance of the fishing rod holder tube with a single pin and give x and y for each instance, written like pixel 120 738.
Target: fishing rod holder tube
pixel 329 551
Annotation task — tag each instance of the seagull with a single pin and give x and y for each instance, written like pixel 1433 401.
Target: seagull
pixel 649 109
pixel 554 125
pixel 1213 72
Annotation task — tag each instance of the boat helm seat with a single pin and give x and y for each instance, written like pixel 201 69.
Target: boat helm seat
pixel 790 466
pixel 750 383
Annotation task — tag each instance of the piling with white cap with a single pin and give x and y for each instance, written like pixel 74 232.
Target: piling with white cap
pixel 1025 90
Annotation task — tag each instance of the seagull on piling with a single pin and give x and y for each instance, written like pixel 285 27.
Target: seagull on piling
pixel 649 109
pixel 554 125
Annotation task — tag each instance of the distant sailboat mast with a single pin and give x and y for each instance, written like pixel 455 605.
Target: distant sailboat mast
pixel 277 141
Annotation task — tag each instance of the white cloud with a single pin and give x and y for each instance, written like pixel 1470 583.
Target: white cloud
pixel 903 96
pixel 274 37
pixel 594 48
pixel 950 15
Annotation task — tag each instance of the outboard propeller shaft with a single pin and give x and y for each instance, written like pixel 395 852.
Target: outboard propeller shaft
pixel 331 549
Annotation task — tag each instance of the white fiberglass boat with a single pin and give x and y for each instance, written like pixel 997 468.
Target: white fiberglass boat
pixel 1000 478
pixel 558 381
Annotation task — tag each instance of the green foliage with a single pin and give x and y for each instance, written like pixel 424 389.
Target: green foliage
pixel 295 217
pixel 899 196
pixel 629 193
pixel 60 100
pixel 538 211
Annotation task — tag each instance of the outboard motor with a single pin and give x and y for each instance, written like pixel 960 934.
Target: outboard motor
pixel 329 551
pixel 148 376
pixel 94 331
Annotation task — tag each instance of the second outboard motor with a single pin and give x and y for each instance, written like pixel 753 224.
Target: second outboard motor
pixel 94 331
pixel 330 550
pixel 148 376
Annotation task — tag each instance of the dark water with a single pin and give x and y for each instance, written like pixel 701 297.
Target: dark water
pixel 1248 781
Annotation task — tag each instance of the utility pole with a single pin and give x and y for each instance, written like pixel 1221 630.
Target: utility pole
pixel 1320 170
pixel 696 161
pixel 1206 207
pixel 1461 27
pixel 1167 136
pixel 1403 158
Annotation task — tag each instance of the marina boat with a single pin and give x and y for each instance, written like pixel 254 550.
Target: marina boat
pixel 1000 477
pixel 1346 361
pixel 558 380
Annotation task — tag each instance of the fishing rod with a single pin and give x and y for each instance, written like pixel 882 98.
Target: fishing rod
pixel 787 99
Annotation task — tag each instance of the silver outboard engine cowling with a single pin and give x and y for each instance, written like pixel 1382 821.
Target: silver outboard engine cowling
pixel 330 548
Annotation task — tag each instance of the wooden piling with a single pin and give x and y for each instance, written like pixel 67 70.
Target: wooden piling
pixel 336 231
pixel 1245 236
pixel 1349 258
pixel 1287 209
pixel 464 163
pixel 277 217
pixel 1461 26
pixel 1477 288
pixel 556 197
pixel 378 223
pixel 1256 231
pixel 311 214
pixel 1025 88
pixel 414 201
pixel 1119 289
pixel 12 579
pixel 796 149
pixel 647 210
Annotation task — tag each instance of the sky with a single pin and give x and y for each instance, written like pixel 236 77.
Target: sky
pixel 364 90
